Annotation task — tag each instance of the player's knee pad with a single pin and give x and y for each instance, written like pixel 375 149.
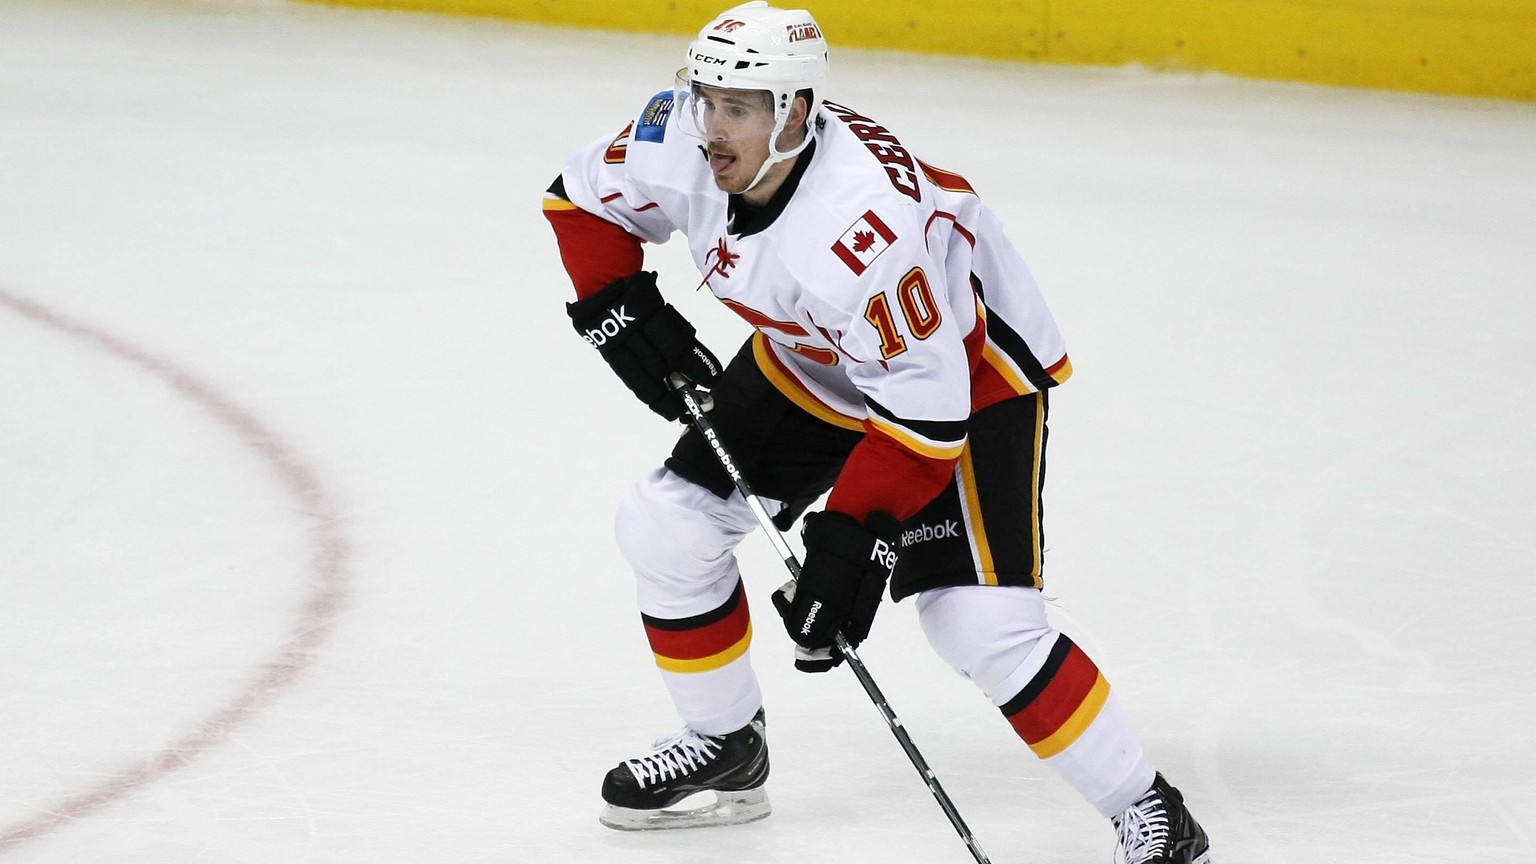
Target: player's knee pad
pixel 992 635
pixel 680 538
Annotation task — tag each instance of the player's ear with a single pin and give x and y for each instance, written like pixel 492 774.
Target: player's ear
pixel 798 109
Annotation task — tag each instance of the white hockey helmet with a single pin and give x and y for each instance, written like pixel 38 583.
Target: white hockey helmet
pixel 756 46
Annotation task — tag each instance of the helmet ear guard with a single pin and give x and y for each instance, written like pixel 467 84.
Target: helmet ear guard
pixel 755 46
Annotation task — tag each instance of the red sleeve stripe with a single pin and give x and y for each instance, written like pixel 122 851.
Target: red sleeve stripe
pixel 705 642
pixel 1061 370
pixel 955 220
pixel 1059 704
pixel 617 195
pixel 595 251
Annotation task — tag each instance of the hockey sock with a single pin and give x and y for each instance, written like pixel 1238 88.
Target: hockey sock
pixel 1046 686
pixel 1070 719
pixel 705 662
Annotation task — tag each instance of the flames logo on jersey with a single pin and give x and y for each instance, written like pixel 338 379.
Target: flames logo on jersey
pixel 724 260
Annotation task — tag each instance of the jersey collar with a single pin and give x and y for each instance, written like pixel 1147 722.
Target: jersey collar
pixel 743 219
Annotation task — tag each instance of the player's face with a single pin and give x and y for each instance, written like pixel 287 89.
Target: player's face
pixel 737 125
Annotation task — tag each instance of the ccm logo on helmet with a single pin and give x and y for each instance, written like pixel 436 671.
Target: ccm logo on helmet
pixel 705 58
pixel 615 323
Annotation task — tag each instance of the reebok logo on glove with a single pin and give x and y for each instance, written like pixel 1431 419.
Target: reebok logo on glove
pixel 847 565
pixel 610 327
pixel 881 553
pixel 646 347
pixel 706 359
pixel 810 619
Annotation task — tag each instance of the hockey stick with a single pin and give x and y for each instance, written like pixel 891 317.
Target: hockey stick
pixel 707 429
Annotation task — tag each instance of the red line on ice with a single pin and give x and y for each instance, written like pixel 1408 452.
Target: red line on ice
pixel 329 551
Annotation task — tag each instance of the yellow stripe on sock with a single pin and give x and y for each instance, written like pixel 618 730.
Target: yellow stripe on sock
pixel 710 663
pixel 1077 724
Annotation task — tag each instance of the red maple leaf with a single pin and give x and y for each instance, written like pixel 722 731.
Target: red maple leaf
pixel 862 240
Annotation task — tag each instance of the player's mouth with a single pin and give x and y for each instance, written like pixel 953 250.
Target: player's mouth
pixel 720 163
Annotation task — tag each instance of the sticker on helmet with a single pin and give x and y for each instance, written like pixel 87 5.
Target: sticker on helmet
pixel 653 120
pixel 807 30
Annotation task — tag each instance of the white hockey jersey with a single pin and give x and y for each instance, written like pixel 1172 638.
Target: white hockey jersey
pixel 885 294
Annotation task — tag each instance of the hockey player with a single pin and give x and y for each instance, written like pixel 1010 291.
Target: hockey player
pixel 901 357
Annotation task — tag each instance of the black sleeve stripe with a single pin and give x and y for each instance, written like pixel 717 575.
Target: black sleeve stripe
pixel 557 188
pixel 933 430
pixel 1018 351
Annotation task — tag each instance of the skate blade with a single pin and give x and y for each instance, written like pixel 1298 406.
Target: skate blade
pixel 729 808
pixel 1202 858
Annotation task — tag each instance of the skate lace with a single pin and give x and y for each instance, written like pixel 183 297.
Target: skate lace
pixel 675 756
pixel 1143 830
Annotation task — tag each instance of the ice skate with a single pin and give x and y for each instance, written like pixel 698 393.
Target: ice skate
pixel 1159 830
pixel 691 781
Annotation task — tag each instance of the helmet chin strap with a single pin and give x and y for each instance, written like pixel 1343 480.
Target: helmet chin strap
pixel 775 156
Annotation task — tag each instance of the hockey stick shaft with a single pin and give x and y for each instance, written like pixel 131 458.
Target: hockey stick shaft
pixel 701 422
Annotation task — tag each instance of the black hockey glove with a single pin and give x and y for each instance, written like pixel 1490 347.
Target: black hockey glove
pixel 645 340
pixel 841 582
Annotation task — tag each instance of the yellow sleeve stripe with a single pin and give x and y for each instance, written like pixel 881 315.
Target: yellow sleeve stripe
pixel 1000 364
pixel 1061 371
pixel 916 444
pixel 553 203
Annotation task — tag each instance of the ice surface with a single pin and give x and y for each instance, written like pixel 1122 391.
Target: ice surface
pixel 305 548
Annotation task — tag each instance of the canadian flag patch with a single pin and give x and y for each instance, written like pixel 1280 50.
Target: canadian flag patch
pixel 863 242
